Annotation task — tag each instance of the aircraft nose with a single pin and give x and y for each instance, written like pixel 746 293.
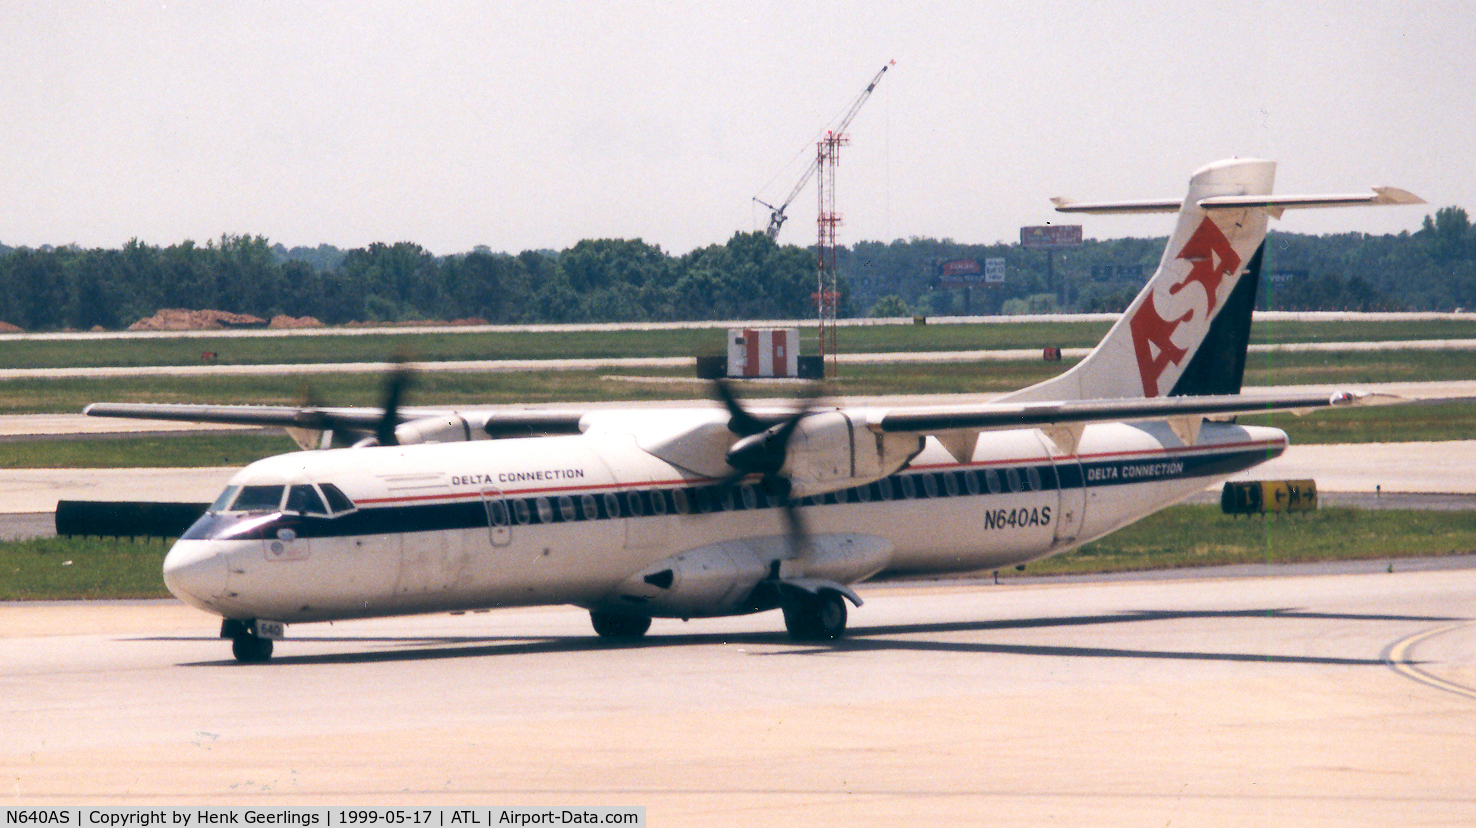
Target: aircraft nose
pixel 195 571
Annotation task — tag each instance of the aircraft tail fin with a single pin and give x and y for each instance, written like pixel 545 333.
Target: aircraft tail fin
pixel 1186 332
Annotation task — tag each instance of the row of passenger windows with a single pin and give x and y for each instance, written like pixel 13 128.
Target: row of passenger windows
pixel 708 499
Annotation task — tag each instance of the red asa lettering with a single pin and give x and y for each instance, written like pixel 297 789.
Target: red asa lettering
pixel 1213 259
pixel 1203 248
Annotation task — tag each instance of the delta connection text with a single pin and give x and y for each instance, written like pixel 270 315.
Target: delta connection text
pixel 185 817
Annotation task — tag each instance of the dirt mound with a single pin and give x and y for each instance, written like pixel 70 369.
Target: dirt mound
pixel 178 319
pixel 6 327
pixel 285 321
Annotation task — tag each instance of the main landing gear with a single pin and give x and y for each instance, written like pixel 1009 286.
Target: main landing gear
pixel 616 626
pixel 808 616
pixel 814 616
pixel 246 645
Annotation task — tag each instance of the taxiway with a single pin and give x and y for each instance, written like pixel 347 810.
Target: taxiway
pixel 1325 700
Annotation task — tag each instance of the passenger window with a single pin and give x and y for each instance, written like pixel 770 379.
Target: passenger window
pixel 590 508
pixel 930 485
pixel 259 499
pixel 679 503
pixel 971 482
pixel 633 503
pixel 520 511
pixel 566 508
pixel 305 500
pixel 545 510
pixel 612 505
pixel 337 500
pixel 1012 477
pixel 1032 476
pixel 991 478
pixel 909 489
pixel 750 497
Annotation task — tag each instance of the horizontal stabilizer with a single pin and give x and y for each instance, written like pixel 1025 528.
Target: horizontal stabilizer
pixel 1274 204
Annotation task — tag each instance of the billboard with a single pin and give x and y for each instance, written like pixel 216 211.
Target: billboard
pixel 968 272
pixel 1050 236
pixel 961 270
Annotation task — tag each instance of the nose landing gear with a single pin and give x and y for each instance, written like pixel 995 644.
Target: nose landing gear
pixel 246 644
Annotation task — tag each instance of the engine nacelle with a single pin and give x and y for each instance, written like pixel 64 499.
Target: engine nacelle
pixel 720 579
pixel 829 451
pixel 450 428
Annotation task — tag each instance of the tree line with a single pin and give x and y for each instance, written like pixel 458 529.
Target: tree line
pixel 55 288
pixel 1433 269
pixel 748 277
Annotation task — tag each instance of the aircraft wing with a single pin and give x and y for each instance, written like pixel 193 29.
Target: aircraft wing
pixel 994 416
pixel 251 415
pixel 958 427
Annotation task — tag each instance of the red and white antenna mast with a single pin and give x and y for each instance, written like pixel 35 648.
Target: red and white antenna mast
pixel 827 295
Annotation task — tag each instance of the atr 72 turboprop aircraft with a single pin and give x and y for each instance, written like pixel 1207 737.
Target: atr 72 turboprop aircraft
pixel 713 511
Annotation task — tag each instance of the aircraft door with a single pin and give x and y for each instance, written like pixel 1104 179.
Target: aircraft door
pixel 499 516
pixel 1071 488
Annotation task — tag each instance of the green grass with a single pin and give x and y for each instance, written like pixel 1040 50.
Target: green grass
pixel 437 347
pixel 186 451
pixel 447 388
pixel 71 395
pixel 1180 536
pixel 1189 536
pixel 1377 424
pixel 63 568
pixel 1448 421
pixel 1353 367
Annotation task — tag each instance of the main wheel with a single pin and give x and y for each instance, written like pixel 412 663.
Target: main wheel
pixel 250 649
pixel 819 617
pixel 615 625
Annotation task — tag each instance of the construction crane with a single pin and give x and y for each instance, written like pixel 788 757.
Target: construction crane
pixel 776 214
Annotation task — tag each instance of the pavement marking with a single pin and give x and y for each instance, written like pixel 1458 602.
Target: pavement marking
pixel 1397 657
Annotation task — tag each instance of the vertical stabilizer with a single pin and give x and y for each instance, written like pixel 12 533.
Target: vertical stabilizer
pixel 1154 349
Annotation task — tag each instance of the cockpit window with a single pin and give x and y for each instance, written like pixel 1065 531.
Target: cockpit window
pixel 258 499
pixel 337 500
pixel 305 500
pixel 225 499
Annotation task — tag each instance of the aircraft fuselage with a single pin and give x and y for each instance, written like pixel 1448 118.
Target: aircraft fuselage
pixel 568 520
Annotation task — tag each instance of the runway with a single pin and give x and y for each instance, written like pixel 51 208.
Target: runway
pixel 1327 700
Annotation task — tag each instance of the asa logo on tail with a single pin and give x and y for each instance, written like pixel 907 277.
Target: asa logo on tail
pixel 1158 341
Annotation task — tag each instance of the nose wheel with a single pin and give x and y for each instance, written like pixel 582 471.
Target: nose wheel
pixel 250 649
pixel 246 645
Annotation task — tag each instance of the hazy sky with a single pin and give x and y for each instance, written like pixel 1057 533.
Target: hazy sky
pixel 524 125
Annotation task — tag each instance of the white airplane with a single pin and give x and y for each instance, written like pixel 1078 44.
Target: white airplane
pixel 712 511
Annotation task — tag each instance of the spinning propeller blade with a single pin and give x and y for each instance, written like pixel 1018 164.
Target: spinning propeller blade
pixel 395 384
pixel 762 449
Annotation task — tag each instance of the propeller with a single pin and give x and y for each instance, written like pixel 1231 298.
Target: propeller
pixel 395 384
pixel 761 448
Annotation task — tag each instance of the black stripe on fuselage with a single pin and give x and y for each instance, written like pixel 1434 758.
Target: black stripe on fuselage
pixel 470 511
